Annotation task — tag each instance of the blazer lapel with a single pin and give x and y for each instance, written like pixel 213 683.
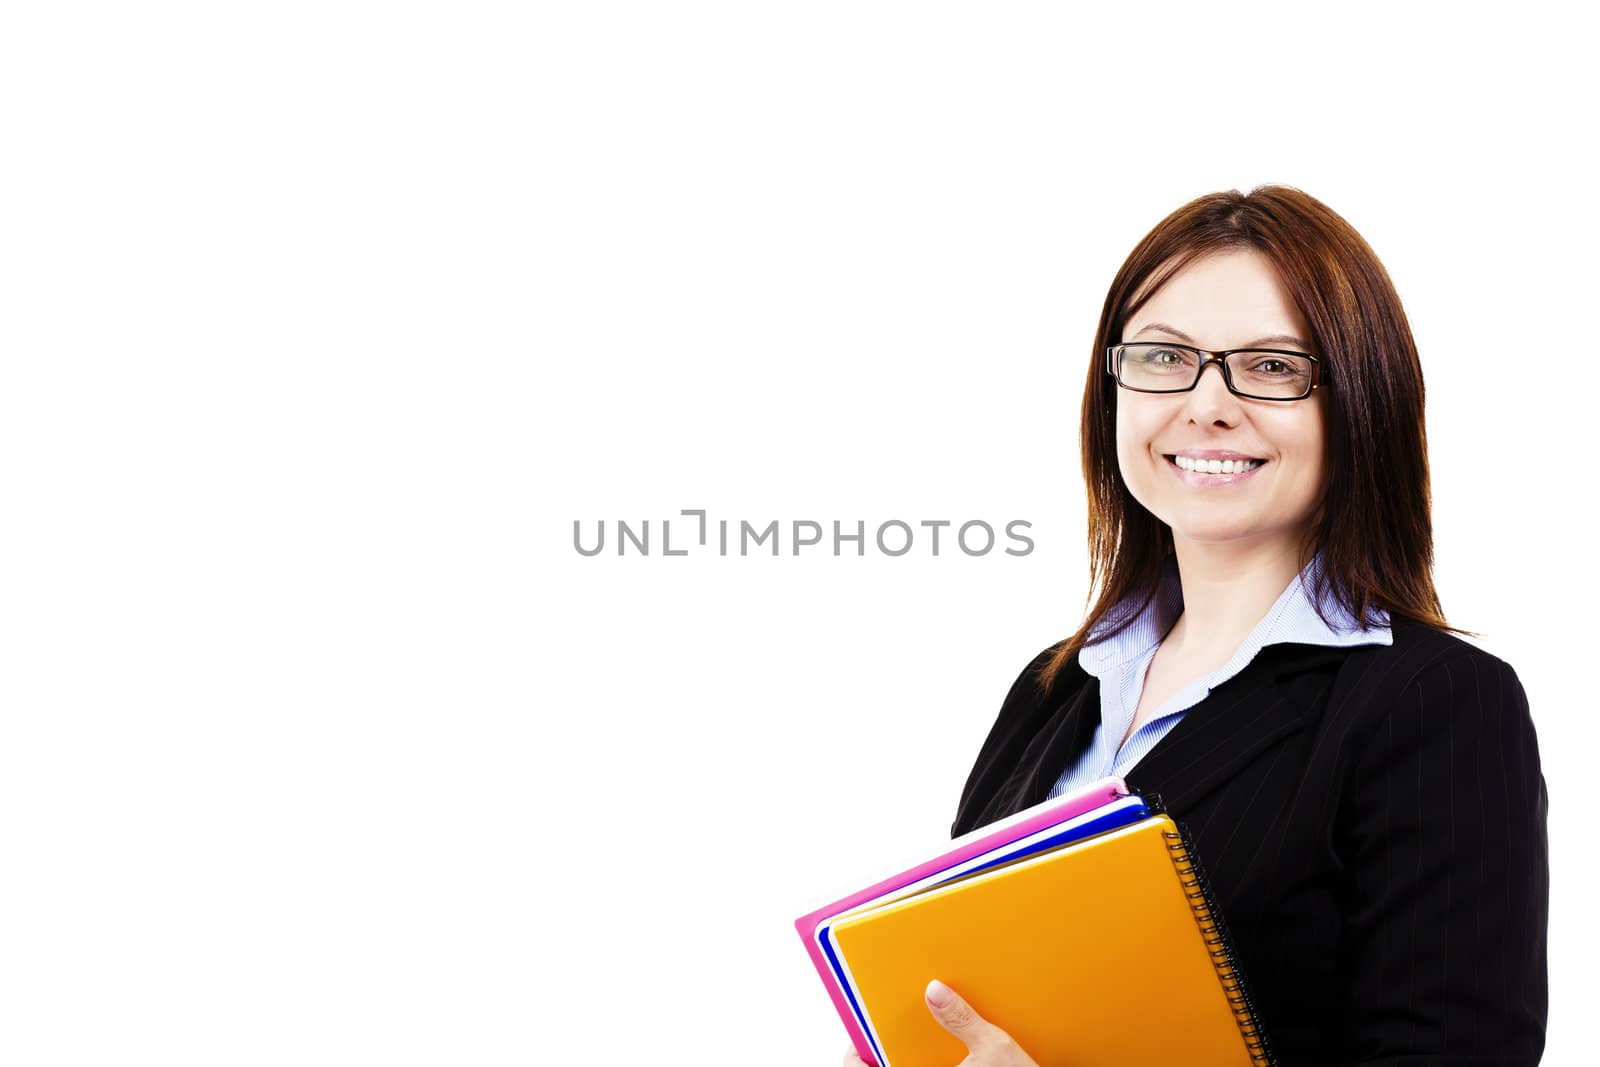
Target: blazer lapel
pixel 1235 723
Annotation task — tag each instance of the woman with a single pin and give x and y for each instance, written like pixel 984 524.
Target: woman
pixel 1268 654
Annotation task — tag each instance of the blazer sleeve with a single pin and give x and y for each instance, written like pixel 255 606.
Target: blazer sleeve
pixel 1443 834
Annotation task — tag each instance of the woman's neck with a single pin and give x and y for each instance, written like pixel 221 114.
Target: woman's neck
pixel 1227 588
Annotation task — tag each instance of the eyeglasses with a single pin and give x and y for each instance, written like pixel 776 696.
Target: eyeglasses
pixel 1256 373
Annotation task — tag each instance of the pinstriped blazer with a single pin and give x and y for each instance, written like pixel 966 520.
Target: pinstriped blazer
pixel 1372 821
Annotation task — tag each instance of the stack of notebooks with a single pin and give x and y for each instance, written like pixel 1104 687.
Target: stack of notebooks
pixel 1082 927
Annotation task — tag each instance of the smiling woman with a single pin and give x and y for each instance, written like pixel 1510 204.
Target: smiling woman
pixel 1237 478
pixel 1267 654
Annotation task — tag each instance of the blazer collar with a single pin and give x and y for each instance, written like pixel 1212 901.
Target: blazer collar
pixel 1260 695
pixel 1273 697
pixel 1264 694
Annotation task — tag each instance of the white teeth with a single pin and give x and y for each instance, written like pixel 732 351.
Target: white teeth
pixel 1217 466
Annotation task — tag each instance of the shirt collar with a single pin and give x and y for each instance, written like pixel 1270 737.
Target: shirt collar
pixel 1292 617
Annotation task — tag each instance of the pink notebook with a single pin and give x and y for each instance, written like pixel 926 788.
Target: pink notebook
pixel 965 847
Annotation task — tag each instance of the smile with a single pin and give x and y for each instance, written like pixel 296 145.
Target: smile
pixel 1196 478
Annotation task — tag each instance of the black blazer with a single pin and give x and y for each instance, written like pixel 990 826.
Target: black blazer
pixel 1372 820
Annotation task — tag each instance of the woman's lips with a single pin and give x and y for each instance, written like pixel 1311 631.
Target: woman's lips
pixel 1196 478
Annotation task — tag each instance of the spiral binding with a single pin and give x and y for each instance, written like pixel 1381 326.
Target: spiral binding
pixel 1198 889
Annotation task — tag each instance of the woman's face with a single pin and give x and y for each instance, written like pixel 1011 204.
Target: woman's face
pixel 1230 299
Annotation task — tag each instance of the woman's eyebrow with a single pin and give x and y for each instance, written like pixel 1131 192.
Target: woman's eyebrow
pixel 1270 339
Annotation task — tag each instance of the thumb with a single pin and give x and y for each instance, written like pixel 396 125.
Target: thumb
pixel 956 1015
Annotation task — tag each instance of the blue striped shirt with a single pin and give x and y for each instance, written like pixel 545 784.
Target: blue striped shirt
pixel 1120 663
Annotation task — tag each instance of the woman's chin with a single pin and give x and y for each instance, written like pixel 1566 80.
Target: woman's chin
pixel 1203 529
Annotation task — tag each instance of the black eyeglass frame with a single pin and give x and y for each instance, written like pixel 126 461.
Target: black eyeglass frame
pixel 1320 374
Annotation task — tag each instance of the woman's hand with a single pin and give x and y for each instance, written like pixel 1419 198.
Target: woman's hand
pixel 987 1044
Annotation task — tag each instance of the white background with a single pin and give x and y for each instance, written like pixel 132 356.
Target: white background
pixel 323 322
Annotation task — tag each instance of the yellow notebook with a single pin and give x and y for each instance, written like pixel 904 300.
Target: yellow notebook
pixel 1103 953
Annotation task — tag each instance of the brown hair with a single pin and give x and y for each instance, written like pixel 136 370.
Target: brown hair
pixel 1373 525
